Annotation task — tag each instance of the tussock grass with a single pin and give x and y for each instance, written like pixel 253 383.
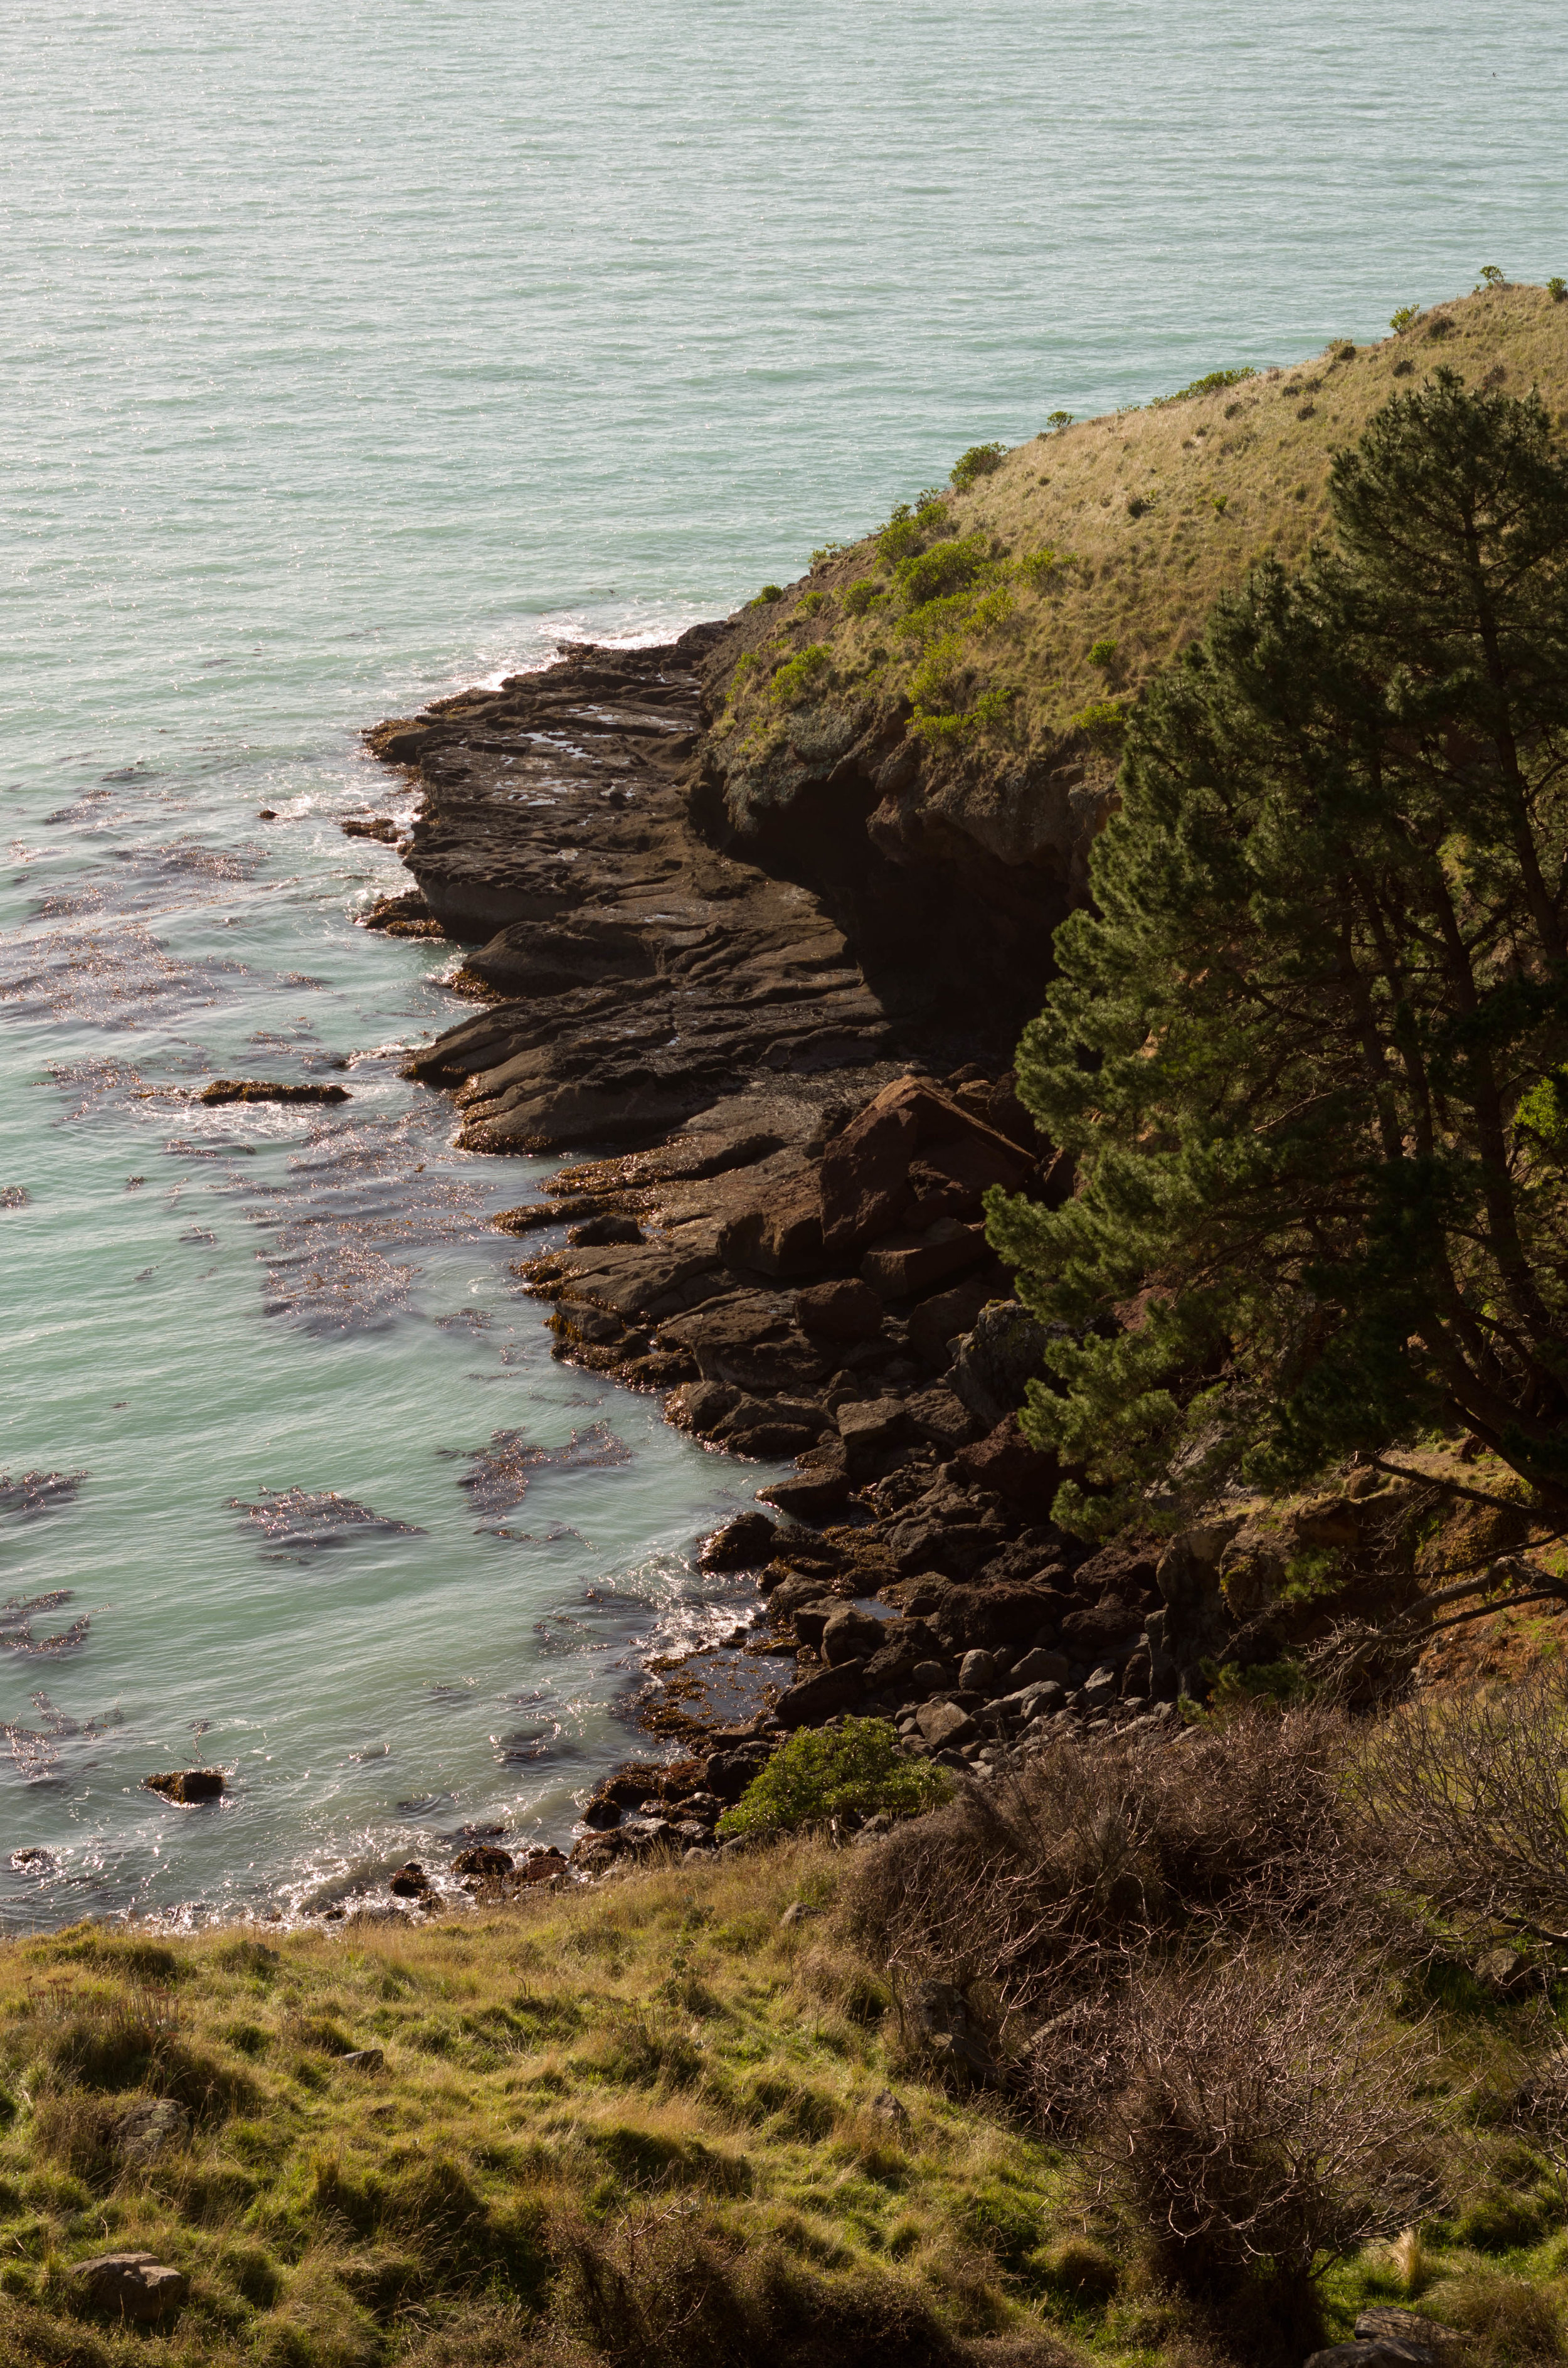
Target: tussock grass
pixel 1089 556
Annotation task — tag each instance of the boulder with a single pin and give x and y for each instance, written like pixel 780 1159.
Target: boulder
pixel 744 1544
pixel 153 2125
pixel 864 1177
pixel 818 1696
pixel 1378 2352
pixel 1001 1354
pixel 850 1636
pixel 1429 2337
pixel 701 1407
pixel 189 1785
pixel 263 1090
pixel 135 2286
pixel 937 1416
pixel 903 1265
pixel 1034 1700
pixel 810 1620
pixel 978 1673
pixel 849 1310
pixel 483 1859
pixel 409 1882
pixel 599 1233
pixel 947 1316
pixel 542 1865
pixel 819 1486
pixel 1005 1462
pixel 1105 1631
pixel 1042 1668
pixel 783 1236
pixel 868 1427
pixel 945 1727
pixel 362 2059
pixel 750 1339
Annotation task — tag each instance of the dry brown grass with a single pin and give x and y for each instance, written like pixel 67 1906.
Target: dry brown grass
pixel 1158 511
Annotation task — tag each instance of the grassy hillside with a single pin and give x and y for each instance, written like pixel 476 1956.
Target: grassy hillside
pixel 1020 612
pixel 685 2119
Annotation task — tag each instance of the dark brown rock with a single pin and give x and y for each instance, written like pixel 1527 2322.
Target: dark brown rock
pixel 744 1544
pixel 134 2286
pixel 903 1265
pixel 850 1636
pixel 1005 1462
pixel 848 1310
pixel 409 1882
pixel 820 1696
pixel 817 1489
pixel 261 1089
pixel 483 1859
pixel 186 1785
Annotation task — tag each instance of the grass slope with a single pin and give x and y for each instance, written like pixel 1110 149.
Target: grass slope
pixel 1021 614
pixel 649 2122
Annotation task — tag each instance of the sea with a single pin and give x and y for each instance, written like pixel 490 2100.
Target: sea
pixel 353 353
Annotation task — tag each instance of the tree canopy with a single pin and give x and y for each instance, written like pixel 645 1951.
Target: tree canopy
pixel 1309 1046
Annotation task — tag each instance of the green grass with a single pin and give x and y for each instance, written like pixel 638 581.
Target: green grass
pixel 1115 532
pixel 647 2121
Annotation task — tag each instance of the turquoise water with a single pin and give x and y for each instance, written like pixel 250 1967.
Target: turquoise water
pixel 353 353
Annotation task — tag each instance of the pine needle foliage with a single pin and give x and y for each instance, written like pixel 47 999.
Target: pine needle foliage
pixel 1310 1047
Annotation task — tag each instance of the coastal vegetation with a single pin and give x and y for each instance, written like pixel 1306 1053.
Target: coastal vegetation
pixel 1124 528
pixel 1308 1045
pixel 1193 2050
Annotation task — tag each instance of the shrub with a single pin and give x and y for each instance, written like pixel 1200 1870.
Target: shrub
pixel 1557 288
pixel 947 567
pixel 1102 722
pixel 1102 653
pixel 1490 277
pixel 1265 2126
pixel 798 675
pixel 810 602
pixel 909 531
pixel 819 1775
pixel 864 596
pixel 769 593
pixel 1401 319
pixel 1057 421
pixel 1212 384
pixel 980 460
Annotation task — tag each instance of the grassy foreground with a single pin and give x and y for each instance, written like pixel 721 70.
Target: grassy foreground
pixel 655 2122
pixel 1022 610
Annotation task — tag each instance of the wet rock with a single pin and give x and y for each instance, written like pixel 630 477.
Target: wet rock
pixel 34 1861
pixel 602 1815
pixel 600 1231
pixel 153 2125
pixel 743 1544
pixel 819 1486
pixel 409 1882
pixel 186 1785
pixel 262 1089
pixel 820 1696
pixel 541 1866
pixel 484 1860
pixel 134 2286
pixel 848 1310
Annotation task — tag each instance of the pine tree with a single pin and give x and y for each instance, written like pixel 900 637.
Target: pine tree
pixel 1310 1046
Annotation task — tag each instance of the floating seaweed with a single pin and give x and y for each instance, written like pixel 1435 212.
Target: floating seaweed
pixel 501 1472
pixel 296 1522
pixel 38 1492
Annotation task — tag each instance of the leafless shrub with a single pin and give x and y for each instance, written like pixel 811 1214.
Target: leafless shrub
pixel 1266 2122
pixel 1054 1886
pixel 1463 1803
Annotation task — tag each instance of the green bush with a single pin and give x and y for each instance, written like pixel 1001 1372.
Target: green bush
pixel 1212 384
pixel 819 1775
pixel 1402 317
pixel 1102 721
pixel 797 677
pixel 867 593
pixel 1102 653
pixel 1490 277
pixel 811 603
pixel 768 592
pixel 1557 288
pixel 978 461
pixel 909 531
pixel 945 568
pixel 1057 421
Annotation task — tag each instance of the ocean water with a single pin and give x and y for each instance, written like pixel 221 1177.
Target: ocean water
pixel 351 353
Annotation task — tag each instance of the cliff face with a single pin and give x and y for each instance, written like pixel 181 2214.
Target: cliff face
pixel 926 728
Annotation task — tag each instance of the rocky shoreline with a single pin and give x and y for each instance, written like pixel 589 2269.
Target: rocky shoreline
pixel 780 1227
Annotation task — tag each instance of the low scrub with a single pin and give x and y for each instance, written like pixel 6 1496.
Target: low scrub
pixel 856 1770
